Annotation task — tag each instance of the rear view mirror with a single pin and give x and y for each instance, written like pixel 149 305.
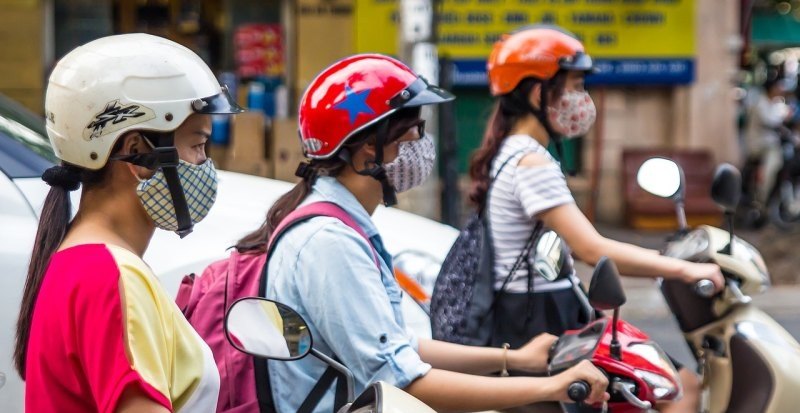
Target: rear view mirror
pixel 268 329
pixel 661 177
pixel 726 188
pixel 383 397
pixel 550 256
pixel 605 289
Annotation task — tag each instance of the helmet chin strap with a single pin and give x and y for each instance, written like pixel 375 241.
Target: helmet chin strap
pixel 541 115
pixel 376 170
pixel 185 224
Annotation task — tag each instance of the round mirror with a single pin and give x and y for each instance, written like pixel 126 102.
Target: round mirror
pixel 550 254
pixel 660 177
pixel 264 328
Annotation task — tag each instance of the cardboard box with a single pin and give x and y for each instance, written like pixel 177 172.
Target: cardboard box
pixel 218 153
pixel 247 152
pixel 286 152
pixel 325 34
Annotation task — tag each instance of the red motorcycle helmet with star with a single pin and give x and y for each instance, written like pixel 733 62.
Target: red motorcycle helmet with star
pixel 355 93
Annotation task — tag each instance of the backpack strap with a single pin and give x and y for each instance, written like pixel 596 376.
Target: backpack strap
pixel 318 392
pixel 263 387
pixel 316 209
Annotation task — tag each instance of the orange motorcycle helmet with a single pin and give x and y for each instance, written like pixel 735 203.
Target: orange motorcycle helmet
pixel 538 51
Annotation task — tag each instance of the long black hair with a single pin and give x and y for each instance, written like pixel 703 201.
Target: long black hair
pixel 54 223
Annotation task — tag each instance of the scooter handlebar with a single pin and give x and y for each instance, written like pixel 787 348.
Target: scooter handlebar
pixel 578 391
pixel 704 288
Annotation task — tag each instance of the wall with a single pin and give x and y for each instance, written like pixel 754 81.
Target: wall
pixel 701 115
pixel 22 52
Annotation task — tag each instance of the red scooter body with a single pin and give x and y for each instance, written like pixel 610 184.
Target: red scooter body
pixel 642 366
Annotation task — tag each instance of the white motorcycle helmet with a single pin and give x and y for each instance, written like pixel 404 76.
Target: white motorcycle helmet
pixel 107 87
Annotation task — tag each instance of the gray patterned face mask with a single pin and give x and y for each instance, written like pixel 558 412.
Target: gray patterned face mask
pixel 199 183
pixel 413 164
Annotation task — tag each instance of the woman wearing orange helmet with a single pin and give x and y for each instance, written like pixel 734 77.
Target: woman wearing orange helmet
pixel 537 76
pixel 360 127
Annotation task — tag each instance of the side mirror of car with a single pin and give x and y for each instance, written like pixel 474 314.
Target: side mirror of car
pixel 268 329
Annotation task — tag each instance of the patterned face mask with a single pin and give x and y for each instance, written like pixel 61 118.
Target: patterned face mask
pixel 413 164
pixel 573 114
pixel 199 183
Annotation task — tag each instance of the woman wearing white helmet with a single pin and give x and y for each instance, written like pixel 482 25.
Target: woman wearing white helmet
pixel 128 117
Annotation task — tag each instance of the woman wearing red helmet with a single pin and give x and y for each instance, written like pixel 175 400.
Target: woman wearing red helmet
pixel 360 126
pixel 537 77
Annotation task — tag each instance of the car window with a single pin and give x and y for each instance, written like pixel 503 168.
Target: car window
pixel 18 160
pixel 25 150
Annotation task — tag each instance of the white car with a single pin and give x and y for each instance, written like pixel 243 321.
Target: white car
pixel 419 244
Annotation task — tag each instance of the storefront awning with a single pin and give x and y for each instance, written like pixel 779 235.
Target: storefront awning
pixel 775 30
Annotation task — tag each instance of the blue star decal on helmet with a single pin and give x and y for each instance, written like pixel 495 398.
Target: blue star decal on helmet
pixel 354 103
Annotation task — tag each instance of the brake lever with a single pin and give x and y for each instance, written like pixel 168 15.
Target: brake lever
pixel 738 295
pixel 626 390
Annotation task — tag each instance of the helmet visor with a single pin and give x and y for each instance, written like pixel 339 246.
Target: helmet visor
pixel 581 62
pixel 219 104
pixel 420 93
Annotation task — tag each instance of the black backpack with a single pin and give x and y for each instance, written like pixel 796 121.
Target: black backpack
pixel 462 304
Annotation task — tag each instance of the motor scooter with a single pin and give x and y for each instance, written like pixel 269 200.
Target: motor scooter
pixel 640 373
pixel 271 330
pixel 748 362
pixel 783 206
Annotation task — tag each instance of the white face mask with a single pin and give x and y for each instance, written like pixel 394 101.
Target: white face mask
pixel 573 114
pixel 199 183
pixel 413 165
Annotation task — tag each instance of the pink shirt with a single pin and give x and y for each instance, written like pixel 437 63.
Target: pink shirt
pixel 102 323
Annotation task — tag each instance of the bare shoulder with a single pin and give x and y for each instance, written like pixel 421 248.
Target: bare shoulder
pixel 534 160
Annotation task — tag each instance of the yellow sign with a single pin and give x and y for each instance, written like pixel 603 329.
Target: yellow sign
pixel 609 28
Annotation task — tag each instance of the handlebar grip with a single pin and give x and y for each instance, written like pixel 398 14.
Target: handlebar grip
pixel 578 391
pixel 704 288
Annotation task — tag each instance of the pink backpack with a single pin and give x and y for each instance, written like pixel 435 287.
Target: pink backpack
pixel 205 300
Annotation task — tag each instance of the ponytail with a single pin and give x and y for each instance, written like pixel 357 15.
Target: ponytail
pixel 53 226
pixel 256 242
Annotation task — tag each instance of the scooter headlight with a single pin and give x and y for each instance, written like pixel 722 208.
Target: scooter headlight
pixel 742 250
pixel 666 386
pixel 663 388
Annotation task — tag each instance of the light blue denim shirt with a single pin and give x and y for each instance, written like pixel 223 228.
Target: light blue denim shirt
pixel 326 271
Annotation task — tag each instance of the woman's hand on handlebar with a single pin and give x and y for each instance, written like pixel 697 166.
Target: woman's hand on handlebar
pixel 532 357
pixel 585 371
pixel 694 272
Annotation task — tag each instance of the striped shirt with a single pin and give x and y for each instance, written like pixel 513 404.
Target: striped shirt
pixel 517 196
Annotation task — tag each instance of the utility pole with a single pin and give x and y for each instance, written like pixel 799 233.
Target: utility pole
pixel 418 49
